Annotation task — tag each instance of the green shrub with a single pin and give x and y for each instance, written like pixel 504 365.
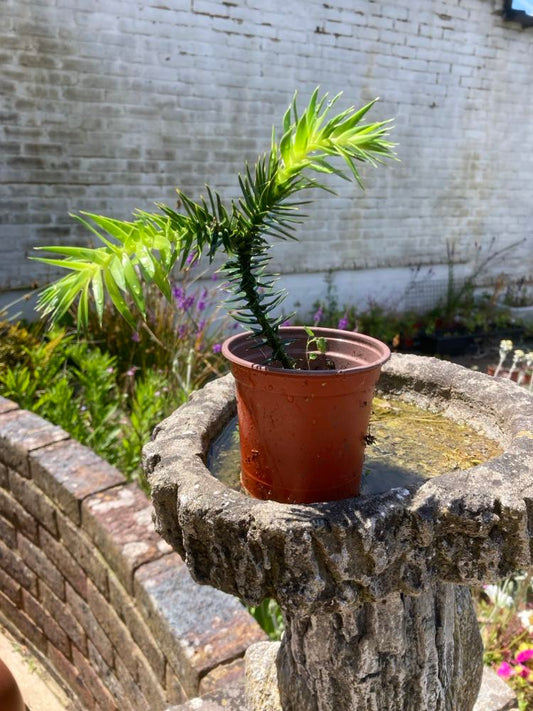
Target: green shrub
pixel 75 384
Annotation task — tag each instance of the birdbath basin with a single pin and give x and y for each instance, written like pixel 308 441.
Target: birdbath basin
pixel 374 589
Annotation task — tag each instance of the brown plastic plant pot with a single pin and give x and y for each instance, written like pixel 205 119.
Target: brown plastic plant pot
pixel 302 431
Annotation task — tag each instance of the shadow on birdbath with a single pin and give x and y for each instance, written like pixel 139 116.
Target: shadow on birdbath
pixel 377 612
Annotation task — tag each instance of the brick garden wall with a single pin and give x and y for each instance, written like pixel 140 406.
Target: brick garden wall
pixel 86 582
pixel 108 104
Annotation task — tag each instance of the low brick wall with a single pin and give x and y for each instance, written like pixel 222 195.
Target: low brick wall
pixel 87 583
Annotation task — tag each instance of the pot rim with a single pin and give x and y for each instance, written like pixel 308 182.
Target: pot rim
pixel 355 337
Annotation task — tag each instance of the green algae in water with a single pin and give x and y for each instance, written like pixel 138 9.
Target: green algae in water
pixel 410 446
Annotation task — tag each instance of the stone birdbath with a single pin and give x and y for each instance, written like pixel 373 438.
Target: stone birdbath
pixel 374 590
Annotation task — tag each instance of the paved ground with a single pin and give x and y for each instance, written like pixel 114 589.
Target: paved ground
pixel 39 690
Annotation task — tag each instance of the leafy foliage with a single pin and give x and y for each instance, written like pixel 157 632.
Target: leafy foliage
pixel 179 338
pixel 518 293
pixel 149 246
pixel 505 614
pixel 144 245
pixel 67 383
pixel 150 402
pixel 269 617
pixel 81 387
pixel 385 323
pixel 14 341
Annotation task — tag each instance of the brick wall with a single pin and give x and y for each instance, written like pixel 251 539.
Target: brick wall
pixel 108 104
pixel 86 582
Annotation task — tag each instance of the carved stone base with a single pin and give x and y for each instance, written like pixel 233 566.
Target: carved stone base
pixel 399 654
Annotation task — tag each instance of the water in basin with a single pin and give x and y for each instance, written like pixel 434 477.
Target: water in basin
pixel 409 446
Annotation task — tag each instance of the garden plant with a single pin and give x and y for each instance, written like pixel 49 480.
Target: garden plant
pixel 151 244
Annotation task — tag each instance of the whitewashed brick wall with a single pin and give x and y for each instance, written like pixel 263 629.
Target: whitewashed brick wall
pixel 106 105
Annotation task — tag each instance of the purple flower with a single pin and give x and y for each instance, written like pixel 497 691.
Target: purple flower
pixel 191 259
pixel 135 337
pixel 182 331
pixel 201 305
pixel 318 316
pixel 182 300
pixel 217 348
pixel 214 277
pixel 343 323
pixel 505 670
pixel 287 322
pixel 526 655
pixel 131 371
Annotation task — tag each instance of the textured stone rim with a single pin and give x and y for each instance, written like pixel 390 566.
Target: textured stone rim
pixel 463 527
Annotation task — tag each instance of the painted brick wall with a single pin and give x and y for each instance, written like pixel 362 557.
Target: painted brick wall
pixel 108 104
pixel 87 583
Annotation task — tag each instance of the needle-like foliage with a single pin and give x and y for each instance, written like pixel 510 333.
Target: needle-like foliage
pixel 147 248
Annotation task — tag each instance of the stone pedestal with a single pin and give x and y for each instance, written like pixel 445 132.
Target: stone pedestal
pixel 373 589
pixel 402 652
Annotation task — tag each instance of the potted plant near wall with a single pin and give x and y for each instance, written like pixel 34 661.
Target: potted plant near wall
pixel 304 396
pixel 518 299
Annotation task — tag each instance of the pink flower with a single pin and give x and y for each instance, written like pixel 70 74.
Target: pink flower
pixel 523 672
pixel 526 655
pixel 505 670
